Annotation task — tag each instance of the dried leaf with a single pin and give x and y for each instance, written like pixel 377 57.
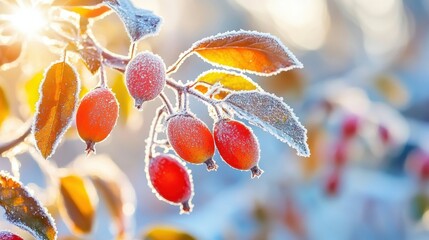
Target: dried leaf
pixel 58 100
pixel 165 232
pixel 23 210
pixel 78 205
pixel 227 80
pixel 90 12
pixel 9 53
pixel 254 52
pixel 31 91
pixel 90 53
pixel 138 22
pixel 124 98
pixel 272 115
pixel 69 3
pixel 4 106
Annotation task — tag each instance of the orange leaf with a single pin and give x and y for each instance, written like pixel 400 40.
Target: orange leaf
pixel 76 2
pixel 78 206
pixel 254 52
pixel 90 12
pixel 10 53
pixel 57 104
pixel 24 210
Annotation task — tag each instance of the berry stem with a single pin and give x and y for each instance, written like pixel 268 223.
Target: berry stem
pixel 152 136
pixel 173 68
pixel 166 103
pixel 103 82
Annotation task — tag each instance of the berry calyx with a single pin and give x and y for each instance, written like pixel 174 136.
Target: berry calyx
pixel 96 116
pixel 6 235
pixel 191 139
pixel 171 180
pixel 237 145
pixel 145 77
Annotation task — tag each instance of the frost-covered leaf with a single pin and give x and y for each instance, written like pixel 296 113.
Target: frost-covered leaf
pixel 271 114
pixel 76 2
pixel 138 22
pixel 9 53
pixel 254 52
pixel 90 12
pixel 59 93
pixel 4 106
pixel 23 210
pixel 227 80
pixel 78 206
pixel 89 52
pixel 166 232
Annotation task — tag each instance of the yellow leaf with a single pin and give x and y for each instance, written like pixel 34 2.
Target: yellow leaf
pixel 58 100
pixel 124 98
pixel 165 232
pixel 31 91
pixel 226 80
pixel 254 52
pixel 113 187
pixel 392 90
pixel 78 206
pixel 25 211
pixel 4 106
pixel 90 12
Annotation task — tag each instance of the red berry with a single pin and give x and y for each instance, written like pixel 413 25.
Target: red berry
pixel 191 139
pixel 350 126
pixel 145 77
pixel 237 145
pixel 6 235
pixel 96 116
pixel 332 183
pixel 384 134
pixel 171 180
pixel 340 153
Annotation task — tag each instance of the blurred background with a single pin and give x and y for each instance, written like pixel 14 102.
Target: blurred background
pixel 363 95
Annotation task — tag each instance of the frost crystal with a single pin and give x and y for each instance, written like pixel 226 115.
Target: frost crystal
pixel 271 114
pixel 138 22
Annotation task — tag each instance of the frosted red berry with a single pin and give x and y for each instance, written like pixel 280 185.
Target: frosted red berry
pixel 384 134
pixel 171 180
pixel 145 77
pixel 96 116
pixel 340 153
pixel 237 145
pixel 350 126
pixel 6 235
pixel 191 139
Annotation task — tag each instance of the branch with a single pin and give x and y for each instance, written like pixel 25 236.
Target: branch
pixel 4 147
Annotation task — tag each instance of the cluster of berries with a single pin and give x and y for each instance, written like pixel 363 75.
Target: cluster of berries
pixel 188 136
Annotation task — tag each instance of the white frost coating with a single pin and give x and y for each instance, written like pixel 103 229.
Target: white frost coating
pixel 67 126
pixel 278 48
pixel 15 217
pixel 139 23
pixel 272 115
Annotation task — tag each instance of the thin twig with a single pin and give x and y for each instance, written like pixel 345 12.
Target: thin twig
pixel 4 147
pixel 152 137
pixel 166 103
